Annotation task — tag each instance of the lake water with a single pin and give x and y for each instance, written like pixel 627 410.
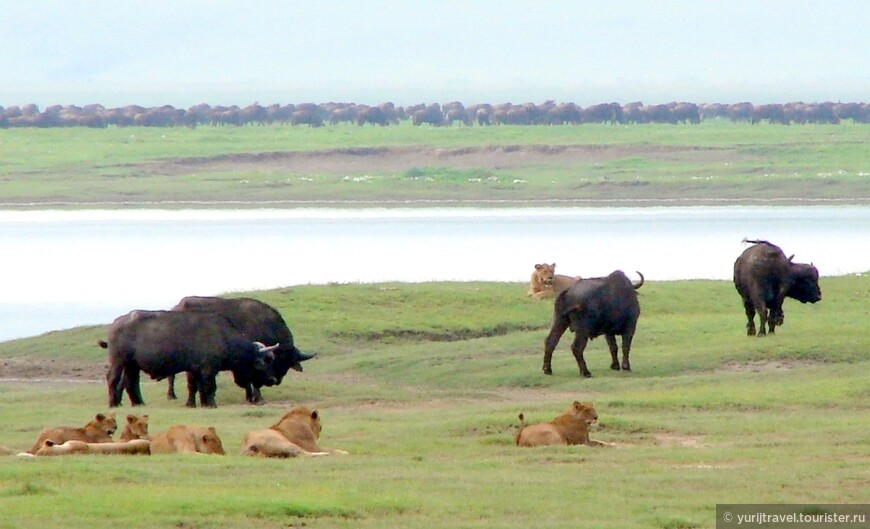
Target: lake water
pixel 68 268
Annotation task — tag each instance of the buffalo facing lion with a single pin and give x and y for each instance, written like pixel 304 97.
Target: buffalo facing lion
pixel 570 428
pixel 546 283
pixel 99 430
pixel 294 435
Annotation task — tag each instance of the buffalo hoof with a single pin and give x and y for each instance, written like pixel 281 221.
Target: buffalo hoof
pixel 586 374
pixel 626 367
pixel 548 371
pixel 614 367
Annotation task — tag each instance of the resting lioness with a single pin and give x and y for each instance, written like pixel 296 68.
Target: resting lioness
pixel 187 440
pixel 132 447
pixel 294 435
pixel 546 283
pixel 99 430
pixel 570 428
pixel 136 428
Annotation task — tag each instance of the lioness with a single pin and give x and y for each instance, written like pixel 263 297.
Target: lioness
pixel 132 447
pixel 136 428
pixel 570 428
pixel 187 440
pixel 294 435
pixel 99 430
pixel 546 283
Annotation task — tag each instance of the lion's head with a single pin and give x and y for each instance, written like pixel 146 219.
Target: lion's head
pixel 136 428
pixel 299 418
pixel 544 274
pixel 102 425
pixel 583 411
pixel 207 441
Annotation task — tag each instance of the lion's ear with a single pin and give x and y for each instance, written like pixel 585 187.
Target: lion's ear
pixel 131 418
pixel 145 419
pixel 538 266
pixel 100 417
pixel 314 414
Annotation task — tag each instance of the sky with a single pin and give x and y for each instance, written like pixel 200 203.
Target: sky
pixel 185 52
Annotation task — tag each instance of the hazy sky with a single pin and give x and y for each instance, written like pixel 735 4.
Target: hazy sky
pixel 184 52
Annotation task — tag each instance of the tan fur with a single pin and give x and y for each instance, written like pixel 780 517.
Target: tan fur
pixel 546 283
pixel 570 428
pixel 294 435
pixel 186 439
pixel 133 447
pixel 99 430
pixel 136 428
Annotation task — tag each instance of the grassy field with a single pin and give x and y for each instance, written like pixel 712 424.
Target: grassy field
pixel 422 383
pixel 714 161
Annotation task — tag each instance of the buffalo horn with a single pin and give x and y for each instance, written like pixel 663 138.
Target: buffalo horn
pixel 266 349
pixel 303 356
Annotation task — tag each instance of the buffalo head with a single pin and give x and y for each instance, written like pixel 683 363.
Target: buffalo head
pixel 805 283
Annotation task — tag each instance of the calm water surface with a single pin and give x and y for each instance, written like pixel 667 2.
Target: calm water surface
pixel 69 268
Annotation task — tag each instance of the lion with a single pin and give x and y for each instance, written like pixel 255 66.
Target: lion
pixel 136 428
pixel 99 430
pixel 186 439
pixel 71 447
pixel 570 428
pixel 546 283
pixel 294 435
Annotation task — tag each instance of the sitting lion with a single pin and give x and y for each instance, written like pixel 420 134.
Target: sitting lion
pixel 187 440
pixel 99 430
pixel 570 428
pixel 132 447
pixel 294 435
pixel 136 428
pixel 546 283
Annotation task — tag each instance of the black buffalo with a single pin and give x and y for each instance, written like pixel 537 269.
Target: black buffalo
pixel 764 277
pixel 592 307
pixel 163 343
pixel 257 321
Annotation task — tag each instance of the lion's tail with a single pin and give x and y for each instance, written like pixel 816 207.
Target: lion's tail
pixel 520 430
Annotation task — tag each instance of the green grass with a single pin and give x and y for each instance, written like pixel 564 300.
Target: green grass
pixel 422 383
pixel 712 161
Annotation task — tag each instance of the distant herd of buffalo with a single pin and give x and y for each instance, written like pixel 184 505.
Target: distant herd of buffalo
pixel 434 114
pixel 202 336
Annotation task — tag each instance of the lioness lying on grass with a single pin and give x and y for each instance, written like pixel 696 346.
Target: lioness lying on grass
pixel 546 283
pixel 132 447
pixel 294 435
pixel 570 428
pixel 99 430
pixel 185 439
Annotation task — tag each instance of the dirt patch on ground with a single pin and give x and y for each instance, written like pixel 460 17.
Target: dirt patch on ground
pixel 397 159
pixel 757 366
pixel 50 370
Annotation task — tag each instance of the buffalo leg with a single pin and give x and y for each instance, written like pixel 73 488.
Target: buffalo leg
pixel 170 388
pixel 253 395
pixel 750 317
pixel 207 390
pixel 131 379
pixel 114 378
pixel 560 325
pixel 579 345
pixel 627 337
pixel 614 358
pixel 193 386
